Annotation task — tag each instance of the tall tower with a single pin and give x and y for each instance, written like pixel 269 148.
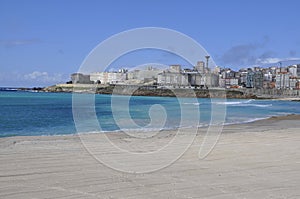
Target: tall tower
pixel 207 58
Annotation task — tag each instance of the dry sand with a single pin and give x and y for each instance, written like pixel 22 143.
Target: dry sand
pixel 254 160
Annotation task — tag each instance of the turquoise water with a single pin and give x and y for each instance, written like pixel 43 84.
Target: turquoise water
pixel 27 113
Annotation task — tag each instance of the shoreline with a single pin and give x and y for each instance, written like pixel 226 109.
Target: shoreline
pixel 152 91
pixel 246 124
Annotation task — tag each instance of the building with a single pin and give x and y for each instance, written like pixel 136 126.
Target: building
pixel 148 75
pixel 297 87
pixel 200 67
pixel 211 80
pixel 298 70
pixel 228 73
pixel 249 79
pixel 217 70
pixel 173 79
pixel 108 77
pixel 281 70
pixel 254 79
pixel 79 78
pixel 282 80
pixel 228 82
pixel 293 82
pixel 132 75
pixel 268 76
pixel 268 84
pixel 175 68
pixel 293 70
pixel 195 78
pixel 116 77
pixel 98 77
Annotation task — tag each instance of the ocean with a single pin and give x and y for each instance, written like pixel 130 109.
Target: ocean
pixel 38 113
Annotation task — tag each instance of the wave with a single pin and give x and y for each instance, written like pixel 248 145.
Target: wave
pixel 196 104
pixel 142 130
pixel 145 130
pixel 247 121
pixel 244 103
pixel 234 103
pixel 256 105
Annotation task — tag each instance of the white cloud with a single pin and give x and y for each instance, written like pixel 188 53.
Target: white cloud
pixel 35 78
pixel 292 59
pixel 36 74
pixel 276 60
pixel 44 77
pixel 269 60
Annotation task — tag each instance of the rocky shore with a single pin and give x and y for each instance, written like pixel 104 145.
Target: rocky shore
pixel 149 91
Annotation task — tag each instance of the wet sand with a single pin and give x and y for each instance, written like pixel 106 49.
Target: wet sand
pixel 254 160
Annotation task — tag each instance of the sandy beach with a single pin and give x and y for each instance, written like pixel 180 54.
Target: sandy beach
pixel 253 160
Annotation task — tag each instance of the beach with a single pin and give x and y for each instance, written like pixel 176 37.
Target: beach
pixel 253 160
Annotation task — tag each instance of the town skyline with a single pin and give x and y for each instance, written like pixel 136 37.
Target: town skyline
pixel 201 75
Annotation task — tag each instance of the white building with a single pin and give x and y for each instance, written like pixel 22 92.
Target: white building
pixel 282 81
pixel 148 75
pixel 268 76
pixel 173 79
pixel 211 80
pixel 108 77
pixel 187 78
pixel 97 77
pixel 217 70
pixel 79 78
pixel 175 68
pixel 293 70
pixel 200 67
pixel 293 82
pixel 228 82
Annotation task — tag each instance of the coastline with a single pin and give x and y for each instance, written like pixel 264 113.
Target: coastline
pixel 150 90
pixel 227 128
pixel 252 160
pixel 153 90
pixel 297 99
pixel 250 123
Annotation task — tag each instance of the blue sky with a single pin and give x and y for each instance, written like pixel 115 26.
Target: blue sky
pixel 42 42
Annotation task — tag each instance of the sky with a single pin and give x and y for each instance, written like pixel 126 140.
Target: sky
pixel 43 42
